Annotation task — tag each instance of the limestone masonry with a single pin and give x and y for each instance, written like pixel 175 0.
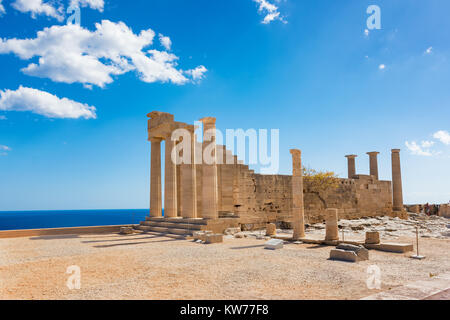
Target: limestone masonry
pixel 214 196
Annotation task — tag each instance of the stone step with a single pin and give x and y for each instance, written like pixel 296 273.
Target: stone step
pixel 188 226
pixel 184 232
pixel 178 220
pixel 146 229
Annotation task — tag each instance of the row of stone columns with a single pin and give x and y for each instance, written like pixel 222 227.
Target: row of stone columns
pixel 373 161
pixel 397 193
pixel 187 177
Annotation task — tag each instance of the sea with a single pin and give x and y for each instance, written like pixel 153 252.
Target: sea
pixel 15 220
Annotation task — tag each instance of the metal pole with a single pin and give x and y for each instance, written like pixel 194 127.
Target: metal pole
pixel 417 239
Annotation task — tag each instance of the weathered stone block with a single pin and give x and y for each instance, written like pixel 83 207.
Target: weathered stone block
pixel 126 230
pixel 232 231
pixel 372 237
pixel 201 235
pixel 274 244
pixel 271 229
pixel 214 238
pixel 361 252
pixel 344 255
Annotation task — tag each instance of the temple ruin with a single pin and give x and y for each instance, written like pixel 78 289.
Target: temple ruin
pixel 227 193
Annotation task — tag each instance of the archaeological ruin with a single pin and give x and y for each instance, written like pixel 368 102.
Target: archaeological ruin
pixel 227 193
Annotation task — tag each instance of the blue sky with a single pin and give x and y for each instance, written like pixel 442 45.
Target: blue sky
pixel 307 68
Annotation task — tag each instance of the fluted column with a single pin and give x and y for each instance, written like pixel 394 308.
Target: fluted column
pixel 155 178
pixel 397 192
pixel 351 165
pixel 189 182
pixel 373 160
pixel 170 181
pixel 209 170
pixel 298 216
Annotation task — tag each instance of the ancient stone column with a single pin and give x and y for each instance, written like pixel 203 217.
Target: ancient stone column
pixel 170 181
pixel 155 178
pixel 209 170
pixel 373 159
pixel 351 165
pixel 188 172
pixel 397 192
pixel 298 218
pixel 332 231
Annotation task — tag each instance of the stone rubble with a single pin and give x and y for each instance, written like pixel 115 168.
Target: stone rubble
pixel 389 228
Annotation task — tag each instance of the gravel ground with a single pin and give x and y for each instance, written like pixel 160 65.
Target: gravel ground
pixel 144 266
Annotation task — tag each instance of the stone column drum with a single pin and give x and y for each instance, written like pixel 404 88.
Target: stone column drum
pixel 332 230
pixel 155 178
pixel 298 217
pixel 373 159
pixel 351 165
pixel 170 180
pixel 397 192
pixel 189 180
pixel 209 171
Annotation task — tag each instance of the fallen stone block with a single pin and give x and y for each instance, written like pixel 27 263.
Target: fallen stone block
pixel 271 229
pixel 126 230
pixel 391 247
pixel 344 255
pixel 214 238
pixel 274 244
pixel 361 252
pixel 200 235
pixel 372 237
pixel 232 231
pixel 239 235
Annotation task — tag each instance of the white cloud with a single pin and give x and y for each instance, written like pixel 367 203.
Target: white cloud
pixel 270 10
pixel 382 67
pixel 2 8
pixel 37 7
pixel 71 53
pixel 93 4
pixel 4 150
pixel 417 150
pixel 44 103
pixel 427 144
pixel 429 50
pixel 165 42
pixel 197 73
pixel 443 136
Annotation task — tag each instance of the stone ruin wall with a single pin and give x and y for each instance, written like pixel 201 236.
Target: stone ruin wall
pixel 259 199
pixel 265 198
pixel 444 210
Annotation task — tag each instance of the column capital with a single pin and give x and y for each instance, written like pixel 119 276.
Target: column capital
pixel 155 139
pixel 351 156
pixel 395 150
pixel 373 153
pixel 208 120
pixel 296 152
